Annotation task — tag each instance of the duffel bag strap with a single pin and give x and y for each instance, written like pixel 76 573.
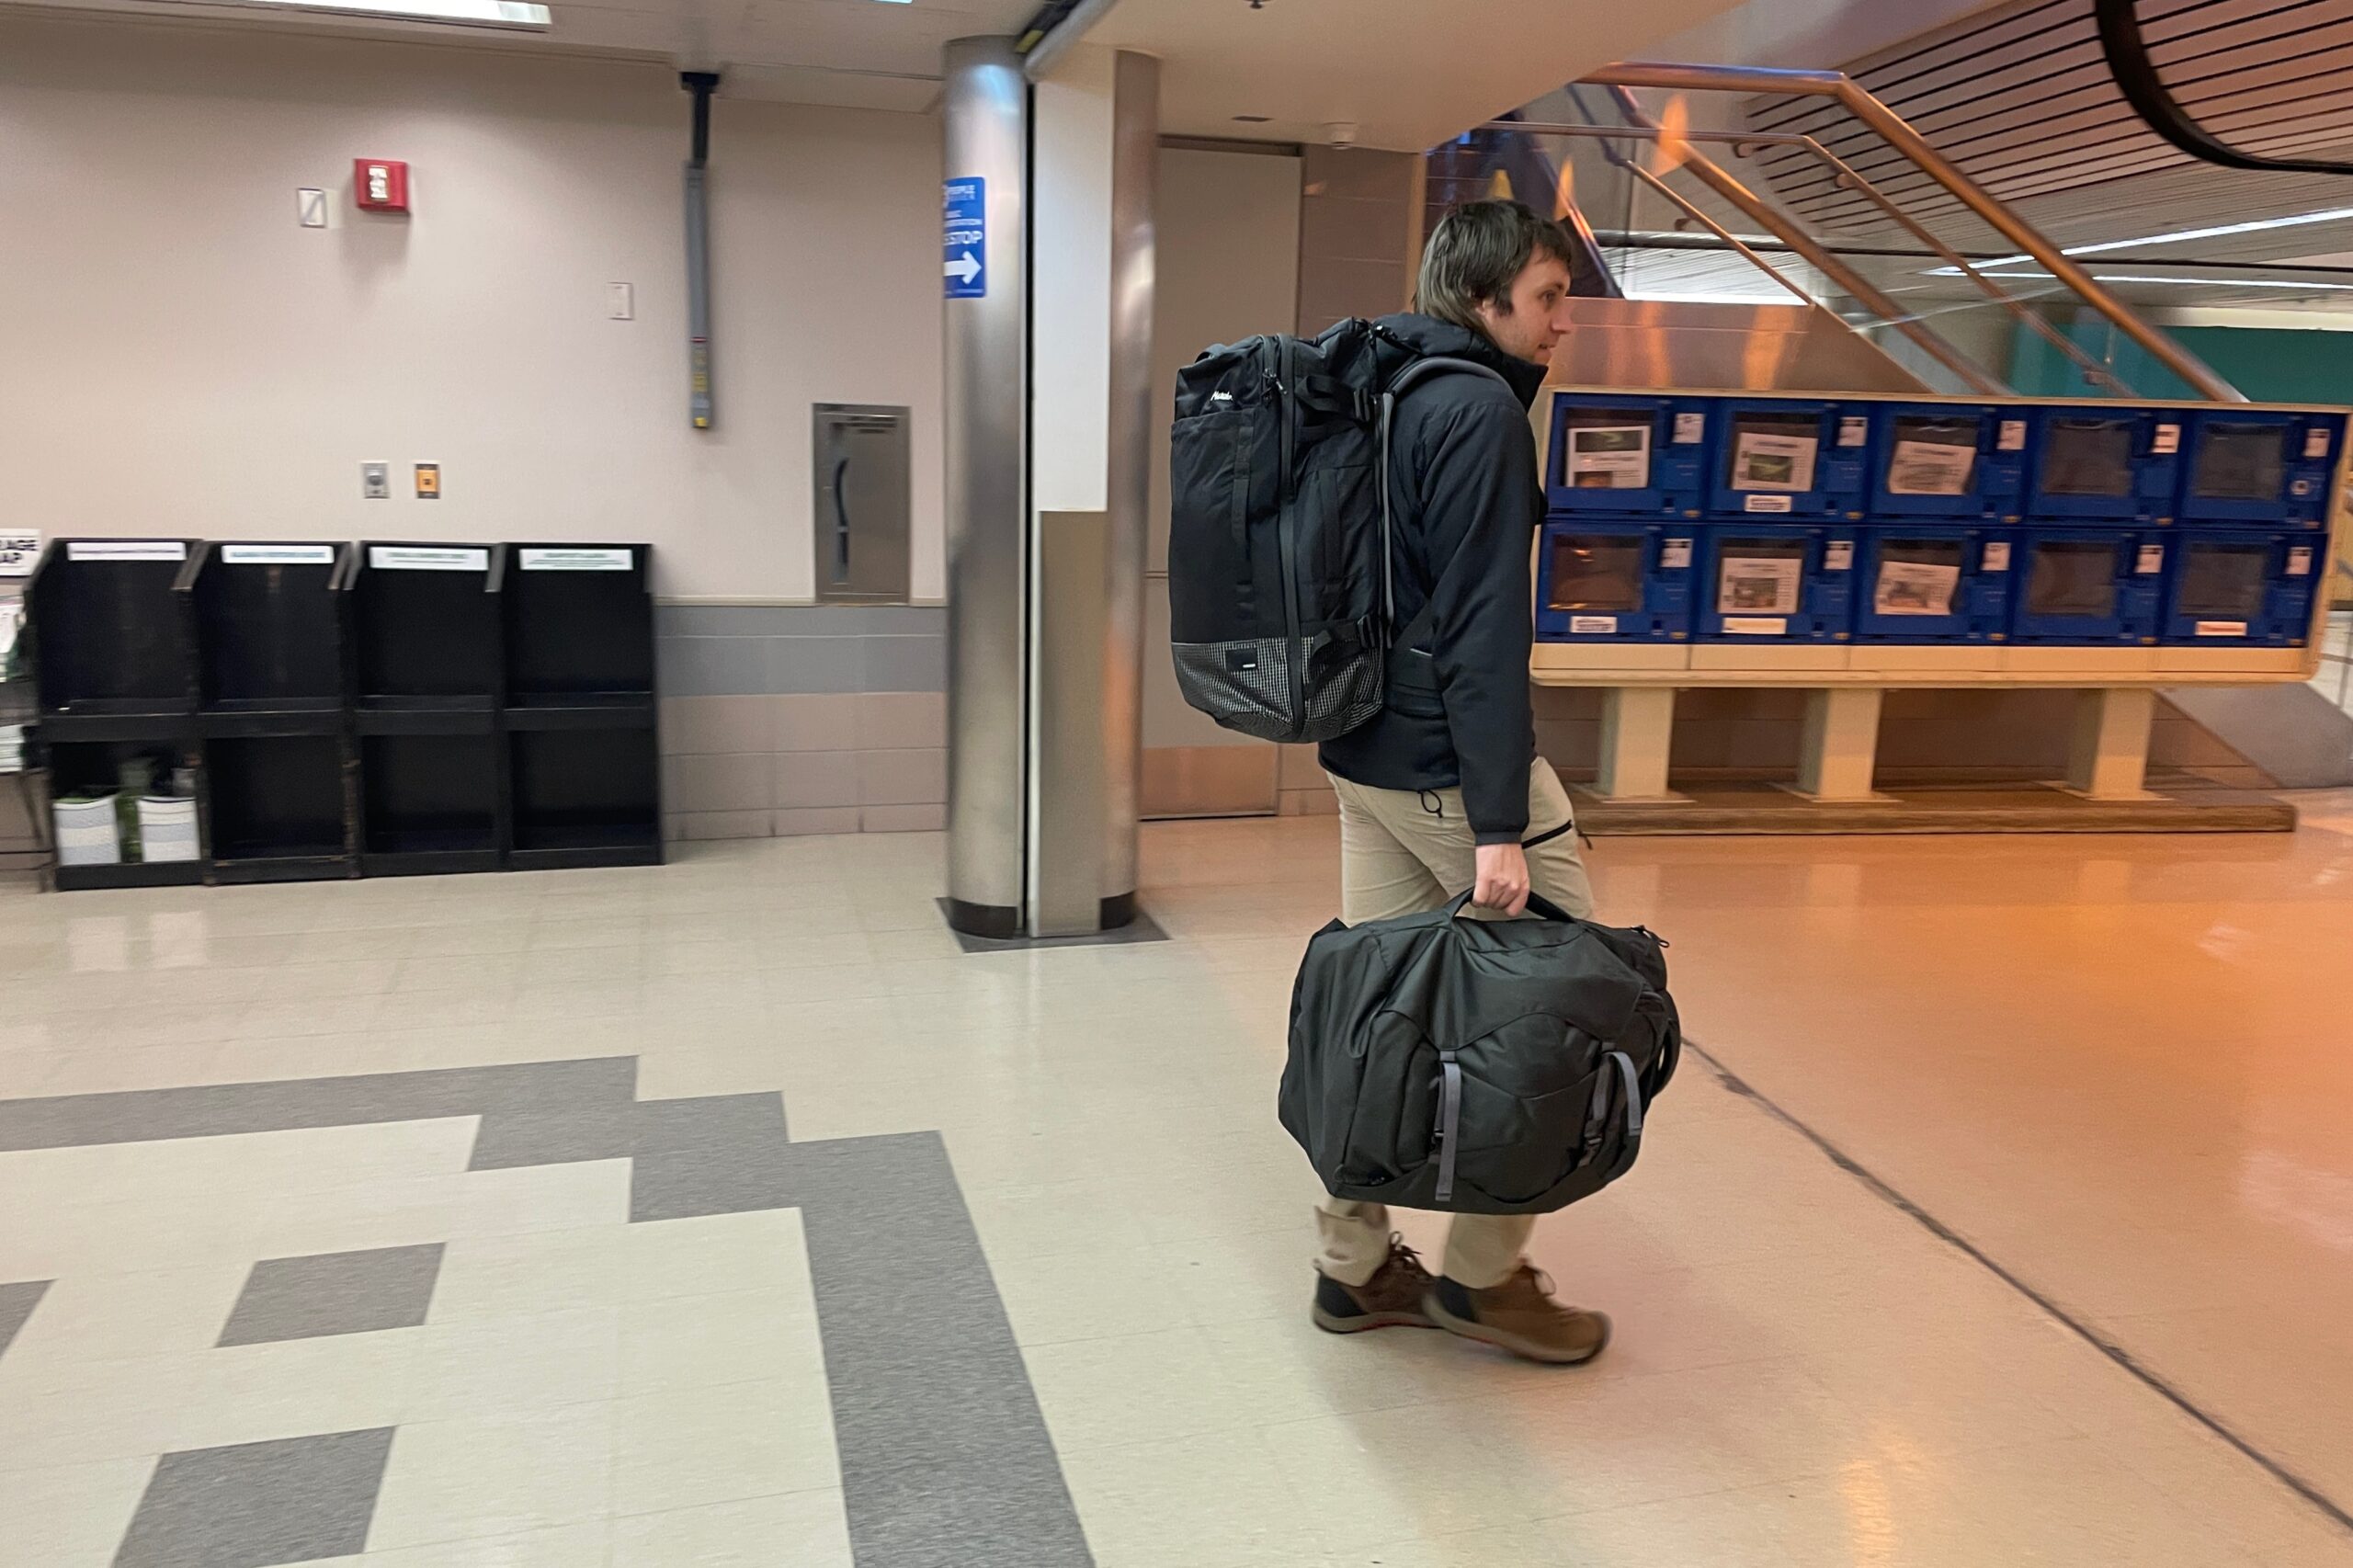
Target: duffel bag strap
pixel 1634 1126
pixel 1449 1122
pixel 1538 904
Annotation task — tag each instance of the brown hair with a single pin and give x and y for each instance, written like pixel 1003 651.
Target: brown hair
pixel 1475 253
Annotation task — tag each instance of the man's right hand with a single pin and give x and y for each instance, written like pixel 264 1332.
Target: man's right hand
pixel 1502 884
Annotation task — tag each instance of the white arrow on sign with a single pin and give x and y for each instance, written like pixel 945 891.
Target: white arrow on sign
pixel 964 268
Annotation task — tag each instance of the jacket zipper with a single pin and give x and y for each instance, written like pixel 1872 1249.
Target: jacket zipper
pixel 1293 659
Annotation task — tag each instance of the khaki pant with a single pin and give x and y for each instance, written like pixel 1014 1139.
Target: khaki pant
pixel 1401 853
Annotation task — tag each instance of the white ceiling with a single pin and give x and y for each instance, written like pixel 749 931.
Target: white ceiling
pixel 1405 73
pixel 2021 97
pixel 855 54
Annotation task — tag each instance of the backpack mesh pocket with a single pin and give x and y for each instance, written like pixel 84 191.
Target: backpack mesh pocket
pixel 1246 686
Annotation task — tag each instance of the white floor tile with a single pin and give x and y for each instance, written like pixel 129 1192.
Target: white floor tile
pixel 494 1476
pixel 685 1448
pixel 806 1529
pixel 516 1364
pixel 69 1516
pixel 585 1545
pixel 683 1341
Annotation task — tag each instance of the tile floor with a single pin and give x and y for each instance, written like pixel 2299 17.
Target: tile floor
pixel 460 1337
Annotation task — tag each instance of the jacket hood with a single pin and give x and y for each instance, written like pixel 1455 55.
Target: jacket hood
pixel 1428 334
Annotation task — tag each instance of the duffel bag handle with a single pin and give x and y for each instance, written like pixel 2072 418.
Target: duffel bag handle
pixel 1538 904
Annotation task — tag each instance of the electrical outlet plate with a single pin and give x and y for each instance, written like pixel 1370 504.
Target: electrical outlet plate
pixel 620 301
pixel 376 482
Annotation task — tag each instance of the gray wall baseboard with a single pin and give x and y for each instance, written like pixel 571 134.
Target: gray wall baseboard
pixel 801 650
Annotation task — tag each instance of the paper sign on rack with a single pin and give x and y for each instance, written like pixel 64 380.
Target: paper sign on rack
pixel 425 558
pixel 19 549
pixel 577 560
pixel 277 555
pixel 126 549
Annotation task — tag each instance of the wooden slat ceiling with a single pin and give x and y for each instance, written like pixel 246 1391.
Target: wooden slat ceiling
pixel 2021 99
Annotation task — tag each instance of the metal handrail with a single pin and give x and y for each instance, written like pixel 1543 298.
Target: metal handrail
pixel 1891 128
pixel 1856 179
pixel 1724 183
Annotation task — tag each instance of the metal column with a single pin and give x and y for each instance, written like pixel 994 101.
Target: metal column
pixel 1046 590
pixel 1135 180
pixel 986 126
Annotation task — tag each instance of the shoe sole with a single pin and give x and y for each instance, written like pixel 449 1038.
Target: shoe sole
pixel 1526 1350
pixel 1366 1322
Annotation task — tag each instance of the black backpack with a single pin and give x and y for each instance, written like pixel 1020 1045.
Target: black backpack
pixel 1477 1066
pixel 1280 603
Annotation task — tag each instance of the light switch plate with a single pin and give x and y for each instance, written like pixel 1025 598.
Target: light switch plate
pixel 311 208
pixel 376 482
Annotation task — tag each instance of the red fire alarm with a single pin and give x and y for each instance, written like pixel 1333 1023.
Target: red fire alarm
pixel 380 184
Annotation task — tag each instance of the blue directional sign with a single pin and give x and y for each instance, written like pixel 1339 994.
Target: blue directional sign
pixel 965 230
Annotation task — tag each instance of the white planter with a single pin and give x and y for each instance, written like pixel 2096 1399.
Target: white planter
pixel 85 832
pixel 166 829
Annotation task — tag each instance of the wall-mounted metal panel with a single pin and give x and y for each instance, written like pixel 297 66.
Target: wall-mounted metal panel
pixel 859 474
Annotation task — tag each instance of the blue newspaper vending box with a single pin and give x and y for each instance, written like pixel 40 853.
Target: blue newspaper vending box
pixel 1933 583
pixel 1614 580
pixel 2087 585
pixel 1800 458
pixel 2121 464
pixel 1627 454
pixel 1949 459
pixel 1775 583
pixel 2241 587
pixel 2260 466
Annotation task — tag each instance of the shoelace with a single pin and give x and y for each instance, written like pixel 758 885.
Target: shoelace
pixel 1400 1253
pixel 1537 1281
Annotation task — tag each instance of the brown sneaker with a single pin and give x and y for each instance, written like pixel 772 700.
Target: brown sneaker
pixel 1390 1299
pixel 1520 1315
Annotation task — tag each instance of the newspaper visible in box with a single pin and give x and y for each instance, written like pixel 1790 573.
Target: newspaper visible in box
pixel 1928 468
pixel 1609 457
pixel 1758 585
pixel 1915 587
pixel 1762 461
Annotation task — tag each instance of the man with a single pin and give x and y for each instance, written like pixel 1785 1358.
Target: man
pixel 1444 790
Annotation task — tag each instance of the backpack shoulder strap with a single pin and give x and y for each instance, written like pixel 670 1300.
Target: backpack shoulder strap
pixel 1403 381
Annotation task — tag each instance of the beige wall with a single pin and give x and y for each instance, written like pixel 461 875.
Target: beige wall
pixel 1359 233
pixel 180 355
pixel 1228 269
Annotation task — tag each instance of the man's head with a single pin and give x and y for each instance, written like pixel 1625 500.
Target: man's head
pixel 1500 270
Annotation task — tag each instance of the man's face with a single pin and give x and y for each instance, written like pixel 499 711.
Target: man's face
pixel 1526 325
